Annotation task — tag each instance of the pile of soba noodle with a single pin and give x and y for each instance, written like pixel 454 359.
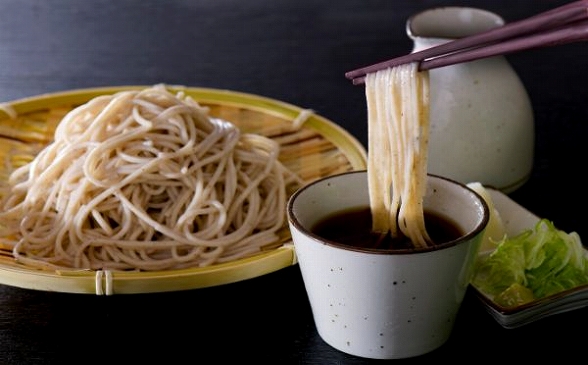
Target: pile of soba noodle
pixel 146 180
pixel 398 136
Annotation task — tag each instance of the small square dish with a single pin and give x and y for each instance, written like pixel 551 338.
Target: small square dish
pixel 516 219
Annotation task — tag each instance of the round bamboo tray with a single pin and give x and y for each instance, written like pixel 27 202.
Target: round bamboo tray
pixel 319 148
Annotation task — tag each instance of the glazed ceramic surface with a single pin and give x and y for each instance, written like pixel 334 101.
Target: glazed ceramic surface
pixel 482 124
pixel 384 304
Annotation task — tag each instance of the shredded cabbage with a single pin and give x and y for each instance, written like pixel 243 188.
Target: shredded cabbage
pixel 534 264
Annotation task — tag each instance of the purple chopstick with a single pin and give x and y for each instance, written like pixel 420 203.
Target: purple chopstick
pixel 561 25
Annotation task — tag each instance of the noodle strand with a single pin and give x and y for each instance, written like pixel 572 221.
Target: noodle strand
pixel 146 180
pixel 398 129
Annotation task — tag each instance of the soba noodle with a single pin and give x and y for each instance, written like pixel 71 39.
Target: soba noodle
pixel 398 130
pixel 146 180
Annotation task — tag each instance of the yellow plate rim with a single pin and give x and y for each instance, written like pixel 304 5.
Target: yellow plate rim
pixel 106 283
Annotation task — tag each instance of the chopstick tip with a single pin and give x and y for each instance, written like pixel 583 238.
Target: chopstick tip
pixel 351 74
pixel 358 80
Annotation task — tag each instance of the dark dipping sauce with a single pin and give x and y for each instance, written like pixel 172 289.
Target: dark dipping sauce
pixel 353 227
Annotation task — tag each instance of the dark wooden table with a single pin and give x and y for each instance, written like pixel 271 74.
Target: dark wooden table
pixel 298 52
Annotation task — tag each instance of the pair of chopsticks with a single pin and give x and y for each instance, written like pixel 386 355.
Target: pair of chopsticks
pixel 564 24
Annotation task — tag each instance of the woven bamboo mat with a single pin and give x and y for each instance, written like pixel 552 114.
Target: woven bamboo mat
pixel 316 148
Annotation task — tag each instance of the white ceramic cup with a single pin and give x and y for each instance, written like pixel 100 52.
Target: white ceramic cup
pixel 384 304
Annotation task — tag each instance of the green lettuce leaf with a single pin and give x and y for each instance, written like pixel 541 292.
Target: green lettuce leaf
pixel 534 264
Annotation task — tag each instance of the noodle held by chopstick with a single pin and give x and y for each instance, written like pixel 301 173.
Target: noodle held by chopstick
pixel 146 180
pixel 398 130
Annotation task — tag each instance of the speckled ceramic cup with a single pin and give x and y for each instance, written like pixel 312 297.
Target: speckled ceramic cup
pixel 385 304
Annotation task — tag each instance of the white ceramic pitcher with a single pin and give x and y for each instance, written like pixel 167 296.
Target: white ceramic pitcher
pixel 482 125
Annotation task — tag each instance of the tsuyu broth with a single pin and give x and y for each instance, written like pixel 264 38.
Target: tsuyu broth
pixel 353 227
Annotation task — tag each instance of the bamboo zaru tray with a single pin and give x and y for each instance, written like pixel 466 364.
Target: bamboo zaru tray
pixel 318 148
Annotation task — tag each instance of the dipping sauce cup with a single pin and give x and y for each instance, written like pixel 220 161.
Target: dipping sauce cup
pixel 385 303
